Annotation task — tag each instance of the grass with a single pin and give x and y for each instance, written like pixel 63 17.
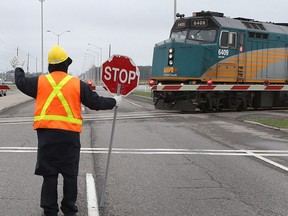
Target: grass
pixel 275 122
pixel 142 93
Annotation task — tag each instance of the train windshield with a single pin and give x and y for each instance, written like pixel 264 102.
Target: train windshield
pixel 204 35
pixel 179 34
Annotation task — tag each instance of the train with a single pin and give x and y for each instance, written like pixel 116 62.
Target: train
pixel 213 62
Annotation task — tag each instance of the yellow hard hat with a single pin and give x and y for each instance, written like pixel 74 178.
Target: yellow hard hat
pixel 57 55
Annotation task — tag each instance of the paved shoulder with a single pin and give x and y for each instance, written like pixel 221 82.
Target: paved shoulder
pixel 13 98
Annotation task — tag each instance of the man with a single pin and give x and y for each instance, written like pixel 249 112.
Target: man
pixel 58 121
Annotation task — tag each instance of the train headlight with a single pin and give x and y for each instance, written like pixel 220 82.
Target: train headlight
pixel 171 56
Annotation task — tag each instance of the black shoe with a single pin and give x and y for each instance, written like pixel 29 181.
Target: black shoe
pixel 69 211
pixel 50 214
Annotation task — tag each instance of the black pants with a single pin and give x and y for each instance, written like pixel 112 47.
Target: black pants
pixel 49 195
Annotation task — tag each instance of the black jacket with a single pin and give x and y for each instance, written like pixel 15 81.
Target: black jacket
pixel 89 98
pixel 59 150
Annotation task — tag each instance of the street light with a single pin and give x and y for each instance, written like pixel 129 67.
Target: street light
pixel 175 9
pixel 98 78
pixel 91 73
pixel 96 53
pixel 42 59
pixel 97 67
pixel 58 35
pixel 100 52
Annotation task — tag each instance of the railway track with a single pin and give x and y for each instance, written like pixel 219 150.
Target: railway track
pixel 97 117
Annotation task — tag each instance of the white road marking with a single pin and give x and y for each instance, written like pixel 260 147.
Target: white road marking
pixel 268 161
pixel 260 154
pixel 92 202
pixel 225 152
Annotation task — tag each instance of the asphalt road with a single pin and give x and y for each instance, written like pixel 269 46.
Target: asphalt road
pixel 162 163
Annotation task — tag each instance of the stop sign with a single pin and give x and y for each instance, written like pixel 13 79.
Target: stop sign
pixel 120 70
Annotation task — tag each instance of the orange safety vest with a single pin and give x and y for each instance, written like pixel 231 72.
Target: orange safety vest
pixel 58 103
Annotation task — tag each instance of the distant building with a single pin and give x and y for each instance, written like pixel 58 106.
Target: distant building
pixel 9 76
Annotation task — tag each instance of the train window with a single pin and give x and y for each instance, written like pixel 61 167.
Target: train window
pixel 265 36
pixel 257 35
pixel 179 35
pixel 251 34
pixel 203 35
pixel 241 40
pixel 232 39
pixel 228 39
pixel 224 39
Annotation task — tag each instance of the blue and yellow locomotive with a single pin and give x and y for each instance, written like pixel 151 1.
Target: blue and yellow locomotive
pixel 213 62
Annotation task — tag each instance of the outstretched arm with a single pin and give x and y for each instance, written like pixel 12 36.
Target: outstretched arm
pixel 94 101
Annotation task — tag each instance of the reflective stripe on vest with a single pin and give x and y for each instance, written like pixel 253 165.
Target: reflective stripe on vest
pixel 57 92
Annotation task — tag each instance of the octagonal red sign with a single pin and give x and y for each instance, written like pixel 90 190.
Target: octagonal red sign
pixel 120 70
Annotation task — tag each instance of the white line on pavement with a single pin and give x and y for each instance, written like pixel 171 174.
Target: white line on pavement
pixel 223 152
pixel 92 202
pixel 260 154
pixel 267 160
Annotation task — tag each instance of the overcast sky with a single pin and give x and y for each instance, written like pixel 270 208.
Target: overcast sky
pixel 132 27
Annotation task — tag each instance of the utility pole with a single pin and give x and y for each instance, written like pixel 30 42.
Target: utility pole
pixel 175 9
pixel 42 46
pixel 109 52
pixel 36 71
pixel 28 63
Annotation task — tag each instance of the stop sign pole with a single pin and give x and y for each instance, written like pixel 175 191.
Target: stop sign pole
pixel 110 150
pixel 119 75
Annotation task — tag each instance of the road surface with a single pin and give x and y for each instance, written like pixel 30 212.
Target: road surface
pixel 162 163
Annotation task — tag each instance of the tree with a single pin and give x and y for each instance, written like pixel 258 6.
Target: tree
pixel 145 73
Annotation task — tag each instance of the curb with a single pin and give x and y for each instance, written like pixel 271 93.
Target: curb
pixel 267 126
pixel 12 100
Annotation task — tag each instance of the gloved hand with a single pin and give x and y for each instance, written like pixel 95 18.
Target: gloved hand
pixel 118 100
pixel 17 63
